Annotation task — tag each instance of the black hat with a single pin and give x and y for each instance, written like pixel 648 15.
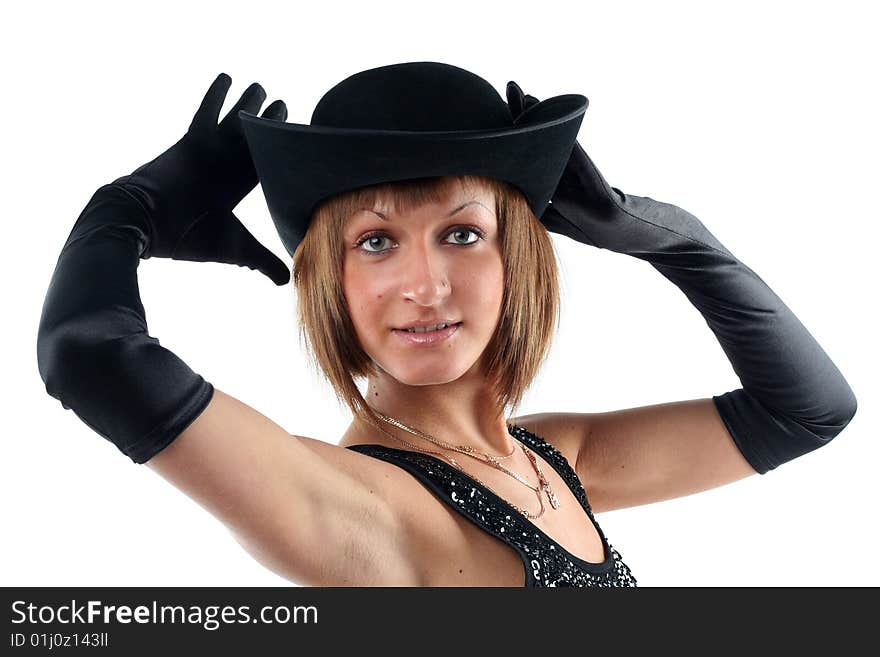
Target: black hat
pixel 403 121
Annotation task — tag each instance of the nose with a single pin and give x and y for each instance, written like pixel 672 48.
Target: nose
pixel 425 276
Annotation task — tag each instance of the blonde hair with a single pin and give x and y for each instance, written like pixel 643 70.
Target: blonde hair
pixel 529 310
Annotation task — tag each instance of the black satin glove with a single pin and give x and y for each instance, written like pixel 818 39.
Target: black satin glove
pixel 93 349
pixel 793 399
pixel 189 192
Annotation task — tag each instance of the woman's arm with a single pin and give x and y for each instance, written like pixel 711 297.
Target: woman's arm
pixel 93 349
pixel 314 518
pixel 794 399
pixel 293 510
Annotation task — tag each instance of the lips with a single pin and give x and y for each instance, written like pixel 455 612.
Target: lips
pixel 425 324
pixel 427 337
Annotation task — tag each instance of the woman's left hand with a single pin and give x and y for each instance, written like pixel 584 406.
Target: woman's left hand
pixel 587 209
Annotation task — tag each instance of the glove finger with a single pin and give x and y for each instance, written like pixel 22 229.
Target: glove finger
pixel 276 111
pixel 515 99
pixel 250 101
pixel 257 256
pixel 273 267
pixel 518 101
pixel 209 110
pixel 249 252
pixel 219 236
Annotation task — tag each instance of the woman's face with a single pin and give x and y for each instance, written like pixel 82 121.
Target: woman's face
pixel 439 262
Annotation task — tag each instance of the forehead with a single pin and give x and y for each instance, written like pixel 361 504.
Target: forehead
pixel 411 196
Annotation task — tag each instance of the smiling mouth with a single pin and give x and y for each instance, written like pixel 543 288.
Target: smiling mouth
pixel 418 330
pixel 435 336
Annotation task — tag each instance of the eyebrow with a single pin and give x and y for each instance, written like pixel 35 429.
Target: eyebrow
pixel 455 211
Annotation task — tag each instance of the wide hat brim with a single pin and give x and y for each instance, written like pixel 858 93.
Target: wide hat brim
pixel 300 165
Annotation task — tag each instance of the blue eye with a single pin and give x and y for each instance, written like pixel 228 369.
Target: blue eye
pixel 371 238
pixel 378 235
pixel 467 230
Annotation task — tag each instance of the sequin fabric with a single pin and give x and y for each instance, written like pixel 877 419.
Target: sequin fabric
pixel 546 562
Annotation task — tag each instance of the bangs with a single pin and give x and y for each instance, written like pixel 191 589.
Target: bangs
pixel 404 196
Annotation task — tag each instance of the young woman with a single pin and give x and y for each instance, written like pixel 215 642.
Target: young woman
pixel 416 207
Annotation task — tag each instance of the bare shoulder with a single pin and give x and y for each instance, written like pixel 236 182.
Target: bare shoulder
pixel 313 512
pixel 567 432
pixel 377 475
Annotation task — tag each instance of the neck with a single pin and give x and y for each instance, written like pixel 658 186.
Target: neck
pixel 460 412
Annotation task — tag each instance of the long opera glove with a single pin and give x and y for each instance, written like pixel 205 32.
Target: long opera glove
pixel 793 398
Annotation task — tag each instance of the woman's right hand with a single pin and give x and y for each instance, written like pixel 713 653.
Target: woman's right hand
pixel 588 210
pixel 189 192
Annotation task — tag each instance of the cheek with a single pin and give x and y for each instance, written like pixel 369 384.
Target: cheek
pixel 365 296
pixel 486 285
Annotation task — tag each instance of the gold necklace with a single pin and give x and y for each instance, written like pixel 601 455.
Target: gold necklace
pixel 465 449
pixel 455 463
pixel 543 483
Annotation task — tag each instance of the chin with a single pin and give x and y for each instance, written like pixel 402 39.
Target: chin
pixel 425 379
pixel 426 375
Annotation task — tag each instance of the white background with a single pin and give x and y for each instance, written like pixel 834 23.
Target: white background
pixel 759 118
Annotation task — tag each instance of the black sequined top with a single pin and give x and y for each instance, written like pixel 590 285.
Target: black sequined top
pixel 546 562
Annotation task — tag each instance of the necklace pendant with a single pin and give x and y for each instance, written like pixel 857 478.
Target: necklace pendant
pixel 554 501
